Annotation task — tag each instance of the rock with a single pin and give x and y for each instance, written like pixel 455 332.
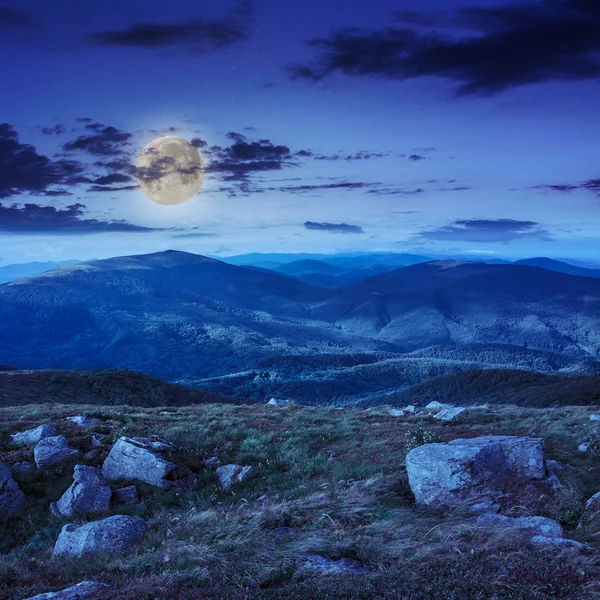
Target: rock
pixel 212 462
pixel 11 497
pixel 126 496
pixel 583 447
pixel 92 454
pixel 540 526
pixel 557 543
pixel 482 508
pixel 133 459
pixel 114 533
pixel 87 495
pixel 591 510
pixel 447 414
pixel 86 590
pixel 328 566
pixel 53 450
pixel 594 417
pixel 96 443
pixel 278 403
pixel 83 421
pixel 449 473
pixel 410 409
pixel 554 466
pixel 230 474
pixel 33 436
pixel 394 412
pixel 435 405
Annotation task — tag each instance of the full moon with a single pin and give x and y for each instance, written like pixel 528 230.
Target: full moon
pixel 170 170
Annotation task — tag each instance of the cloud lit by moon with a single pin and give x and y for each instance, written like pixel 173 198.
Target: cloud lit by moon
pixel 170 170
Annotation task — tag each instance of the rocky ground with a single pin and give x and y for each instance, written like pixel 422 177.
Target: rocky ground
pixel 283 501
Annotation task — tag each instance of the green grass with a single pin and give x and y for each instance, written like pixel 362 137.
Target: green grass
pixel 328 482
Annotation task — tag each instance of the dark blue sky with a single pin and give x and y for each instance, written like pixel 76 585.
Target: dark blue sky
pixel 458 126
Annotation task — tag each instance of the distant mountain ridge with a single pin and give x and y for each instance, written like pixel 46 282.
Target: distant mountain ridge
pixel 181 316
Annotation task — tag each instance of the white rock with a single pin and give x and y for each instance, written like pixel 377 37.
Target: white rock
pixel 83 421
pixel 231 474
pixel 410 409
pixel 33 436
pixel 435 405
pixel 11 497
pixel 448 414
pixel 87 495
pixel 86 590
pixel 583 447
pixel 540 526
pixel 482 508
pixel 53 450
pixel 394 412
pixel 134 459
pixel 449 473
pixel 114 533
pixel 278 403
pixel 594 417
pixel 556 543
pixel 328 566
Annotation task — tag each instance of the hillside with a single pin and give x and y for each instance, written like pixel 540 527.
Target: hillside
pixel 520 388
pixel 328 512
pixel 184 317
pixel 111 387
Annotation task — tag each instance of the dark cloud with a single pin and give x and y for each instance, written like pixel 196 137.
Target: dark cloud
pixel 198 143
pixel 55 130
pixel 487 230
pixel 23 170
pixel 333 227
pixel 106 141
pixel 592 185
pixel 416 157
pixel 362 155
pixel 49 220
pixel 11 17
pixel 193 36
pixel 383 191
pixel 507 46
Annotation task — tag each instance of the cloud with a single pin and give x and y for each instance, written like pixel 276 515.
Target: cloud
pixel 23 170
pixel 106 141
pixel 333 227
pixel 506 46
pixel 592 185
pixel 49 220
pixel 362 155
pixel 486 230
pixel 10 17
pixel 55 130
pixel 193 36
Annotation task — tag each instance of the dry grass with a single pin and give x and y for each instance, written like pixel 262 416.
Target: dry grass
pixel 247 543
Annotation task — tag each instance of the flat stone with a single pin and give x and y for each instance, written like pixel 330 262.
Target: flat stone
pixel 83 421
pixel 86 590
pixel 134 459
pixel 594 417
pixel 448 414
pixel 482 508
pixel 540 526
pixel 33 436
pixel 395 412
pixel 111 534
pixel 87 495
pixel 53 450
pixel 557 543
pixel 230 474
pixel 329 566
pixel 435 405
pixel 11 496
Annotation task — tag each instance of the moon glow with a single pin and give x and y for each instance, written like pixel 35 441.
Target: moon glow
pixel 170 170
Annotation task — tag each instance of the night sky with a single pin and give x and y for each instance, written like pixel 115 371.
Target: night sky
pixel 468 126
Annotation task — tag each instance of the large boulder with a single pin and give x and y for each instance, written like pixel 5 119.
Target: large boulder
pixel 33 436
pixel 88 494
pixel 230 474
pixel 11 497
pixel 470 468
pixel 114 533
pixel 86 590
pixel 278 403
pixel 53 450
pixel 448 414
pixel 135 459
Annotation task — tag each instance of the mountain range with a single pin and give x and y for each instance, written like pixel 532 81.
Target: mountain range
pixel 255 332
